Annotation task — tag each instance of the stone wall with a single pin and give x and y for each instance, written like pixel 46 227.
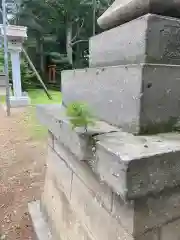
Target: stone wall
pixel 76 204
pixel 81 200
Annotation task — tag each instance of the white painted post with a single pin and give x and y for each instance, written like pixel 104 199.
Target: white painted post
pixel 16 73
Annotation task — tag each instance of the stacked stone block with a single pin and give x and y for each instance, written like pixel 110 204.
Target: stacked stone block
pixel 134 73
pixel 131 192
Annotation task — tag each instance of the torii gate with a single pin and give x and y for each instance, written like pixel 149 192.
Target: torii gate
pixel 16 36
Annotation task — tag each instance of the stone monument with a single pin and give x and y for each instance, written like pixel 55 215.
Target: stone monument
pixel 121 179
pixel 16 36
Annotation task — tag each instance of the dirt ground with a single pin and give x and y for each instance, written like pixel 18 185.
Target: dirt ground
pixel 22 165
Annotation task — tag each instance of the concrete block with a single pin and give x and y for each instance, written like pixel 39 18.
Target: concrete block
pixel 124 213
pixel 51 116
pixel 126 10
pixel 144 214
pixel 107 88
pixel 95 217
pixel 57 122
pixel 59 173
pixel 99 190
pixel 125 45
pixel 75 140
pixel 150 235
pixel 135 166
pixel 62 219
pixel 171 231
pixel 154 211
pixel 120 45
pixel 40 225
pixel 147 107
pixel 19 101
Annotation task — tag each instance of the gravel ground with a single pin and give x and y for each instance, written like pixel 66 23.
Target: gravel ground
pixel 22 166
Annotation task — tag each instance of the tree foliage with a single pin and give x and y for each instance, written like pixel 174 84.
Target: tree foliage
pixel 58 30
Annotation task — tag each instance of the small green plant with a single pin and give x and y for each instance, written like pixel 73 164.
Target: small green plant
pixel 80 115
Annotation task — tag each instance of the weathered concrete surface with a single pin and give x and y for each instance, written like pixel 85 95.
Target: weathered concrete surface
pixel 120 156
pixel 108 93
pixel 99 190
pixel 150 235
pixel 120 45
pixel 171 231
pixel 133 191
pixel 122 11
pixel 54 117
pixel 62 219
pixel 59 172
pixel 40 225
pixel 157 210
pixel 95 217
pixel 133 43
pixel 128 96
pixel 124 212
pixel 149 168
pixel 135 166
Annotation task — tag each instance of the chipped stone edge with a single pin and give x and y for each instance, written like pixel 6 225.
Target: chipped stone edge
pixel 40 225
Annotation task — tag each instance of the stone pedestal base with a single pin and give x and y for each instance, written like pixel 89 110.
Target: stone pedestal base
pixel 142 98
pixel 131 193
pixel 19 101
pixel 148 39
pixel 126 10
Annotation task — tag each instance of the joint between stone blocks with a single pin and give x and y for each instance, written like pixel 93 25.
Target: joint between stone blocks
pixel 51 139
pixel 71 184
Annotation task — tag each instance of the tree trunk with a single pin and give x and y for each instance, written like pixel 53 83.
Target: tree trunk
pixel 94 5
pixel 41 52
pixel 69 49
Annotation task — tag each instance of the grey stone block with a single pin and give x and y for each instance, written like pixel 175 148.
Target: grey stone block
pixel 79 143
pixel 40 225
pixel 135 166
pixel 155 211
pixel 95 217
pixel 126 10
pixel 99 190
pixel 171 231
pixel 133 43
pixel 134 95
pixel 124 212
pixel 151 235
pixel 108 92
pixel 59 172
pixel 120 45
pixel 63 222
pixel 57 122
